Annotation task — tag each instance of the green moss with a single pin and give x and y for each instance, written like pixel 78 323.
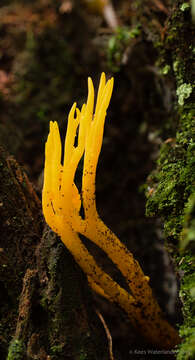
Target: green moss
pixel 193 10
pixel 83 355
pixel 176 66
pixel 184 6
pixel 173 199
pixel 187 296
pixel 16 350
pixel 187 238
pixel 173 181
pixel 165 70
pixel 56 350
pixel 183 92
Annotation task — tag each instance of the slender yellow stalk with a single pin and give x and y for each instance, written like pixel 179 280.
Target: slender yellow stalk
pixel 97 276
pixel 61 208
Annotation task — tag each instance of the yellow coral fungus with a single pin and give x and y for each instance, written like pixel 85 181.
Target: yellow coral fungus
pixel 61 207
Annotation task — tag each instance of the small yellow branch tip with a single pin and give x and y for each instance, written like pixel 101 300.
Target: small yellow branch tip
pixel 61 203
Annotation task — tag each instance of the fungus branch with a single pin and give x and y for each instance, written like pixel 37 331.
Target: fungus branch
pixel 61 207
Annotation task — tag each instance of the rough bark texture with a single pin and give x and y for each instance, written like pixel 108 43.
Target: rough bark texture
pixel 46 311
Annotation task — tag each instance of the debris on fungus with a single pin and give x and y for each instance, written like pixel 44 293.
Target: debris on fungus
pixel 62 201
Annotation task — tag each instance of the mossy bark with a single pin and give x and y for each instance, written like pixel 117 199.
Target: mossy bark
pixel 46 307
pixel 173 181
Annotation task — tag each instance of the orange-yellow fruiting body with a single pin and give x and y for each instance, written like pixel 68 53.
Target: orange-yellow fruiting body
pixel 61 207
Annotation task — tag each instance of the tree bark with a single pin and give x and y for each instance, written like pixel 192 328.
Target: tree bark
pixel 46 305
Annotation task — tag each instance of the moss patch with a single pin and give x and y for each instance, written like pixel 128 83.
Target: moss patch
pixel 16 350
pixel 173 181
